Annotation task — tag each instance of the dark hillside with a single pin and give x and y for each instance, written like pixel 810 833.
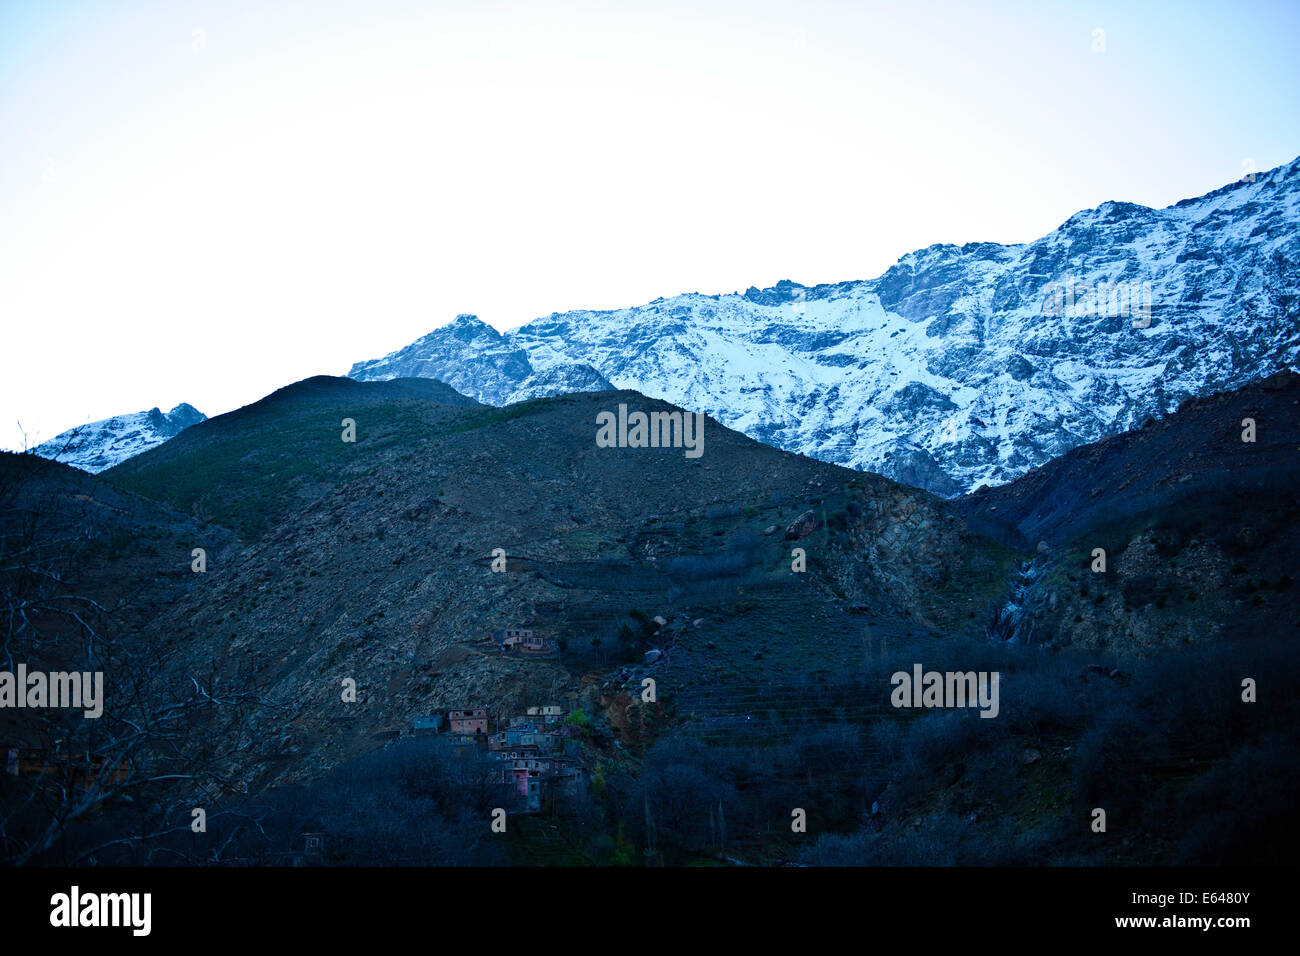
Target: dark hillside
pixel 388 562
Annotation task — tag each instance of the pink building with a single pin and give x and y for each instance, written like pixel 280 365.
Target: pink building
pixel 473 721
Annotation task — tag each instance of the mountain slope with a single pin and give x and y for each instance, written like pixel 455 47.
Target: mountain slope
pixel 103 444
pixel 250 468
pixel 374 559
pixel 958 366
pixel 1160 465
pixel 1176 533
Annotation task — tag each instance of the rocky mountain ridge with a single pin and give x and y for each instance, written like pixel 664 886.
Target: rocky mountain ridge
pixel 960 365
pixel 99 445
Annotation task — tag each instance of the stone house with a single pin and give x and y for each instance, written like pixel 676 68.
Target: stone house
pixel 470 721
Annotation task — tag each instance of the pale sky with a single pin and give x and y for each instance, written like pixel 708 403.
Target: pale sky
pixel 203 202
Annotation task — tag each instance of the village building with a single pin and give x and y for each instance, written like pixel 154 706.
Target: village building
pixel 533 775
pixel 313 847
pixel 523 732
pixel 548 713
pixel 468 722
pixel 312 852
pixel 84 771
pixel 512 637
pixel 432 724
pixel 521 640
pixel 566 776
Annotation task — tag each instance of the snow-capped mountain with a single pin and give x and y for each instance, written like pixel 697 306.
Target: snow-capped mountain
pixel 961 365
pixel 476 360
pixel 103 444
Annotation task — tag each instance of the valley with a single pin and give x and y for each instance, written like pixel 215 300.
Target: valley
pixel 401 563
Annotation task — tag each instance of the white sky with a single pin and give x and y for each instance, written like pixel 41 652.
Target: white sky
pixel 206 217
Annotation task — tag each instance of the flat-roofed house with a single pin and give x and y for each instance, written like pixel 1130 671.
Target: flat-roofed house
pixel 533 644
pixel 512 637
pixel 470 721
pixel 429 725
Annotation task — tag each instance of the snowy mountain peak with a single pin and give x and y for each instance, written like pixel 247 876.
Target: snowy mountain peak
pixel 99 445
pixel 476 360
pixel 185 415
pixel 960 365
pixel 467 323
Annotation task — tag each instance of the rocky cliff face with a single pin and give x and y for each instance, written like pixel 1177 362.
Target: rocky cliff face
pixel 961 365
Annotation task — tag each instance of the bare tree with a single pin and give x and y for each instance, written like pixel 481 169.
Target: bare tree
pixel 164 732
